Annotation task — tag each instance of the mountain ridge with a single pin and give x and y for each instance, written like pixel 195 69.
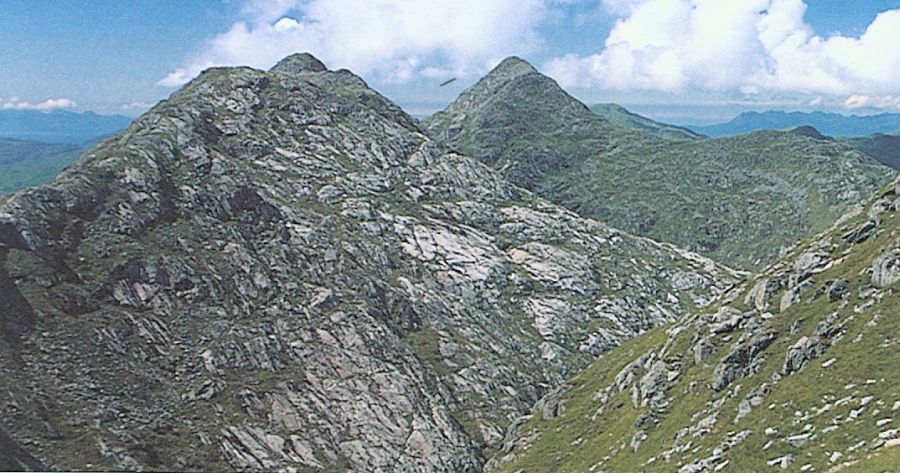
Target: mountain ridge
pixel 622 116
pixel 831 124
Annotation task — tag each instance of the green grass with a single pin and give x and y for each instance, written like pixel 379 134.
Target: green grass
pixel 866 356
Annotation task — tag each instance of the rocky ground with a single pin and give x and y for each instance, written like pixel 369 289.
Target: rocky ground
pixel 281 271
pixel 795 369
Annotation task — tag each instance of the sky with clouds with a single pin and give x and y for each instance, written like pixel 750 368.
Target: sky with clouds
pixel 680 60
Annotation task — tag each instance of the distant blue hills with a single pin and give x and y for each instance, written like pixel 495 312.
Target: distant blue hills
pixel 59 126
pixel 832 124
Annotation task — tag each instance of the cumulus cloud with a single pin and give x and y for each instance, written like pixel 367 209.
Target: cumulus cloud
pixel 13 103
pixel 393 40
pixel 745 46
pixel 869 101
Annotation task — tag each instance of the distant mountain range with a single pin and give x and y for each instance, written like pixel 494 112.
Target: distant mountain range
pixel 883 147
pixel 832 124
pixel 58 126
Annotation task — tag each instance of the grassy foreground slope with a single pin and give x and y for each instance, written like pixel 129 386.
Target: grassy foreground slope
pixel 796 369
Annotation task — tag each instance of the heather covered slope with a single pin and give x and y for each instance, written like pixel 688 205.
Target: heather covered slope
pixel 739 200
pixel 795 369
pixel 280 271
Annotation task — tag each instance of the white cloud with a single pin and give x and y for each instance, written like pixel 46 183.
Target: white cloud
pixel 175 78
pixel 746 46
pixel 869 101
pixel 13 103
pixel 393 40
pixel 141 106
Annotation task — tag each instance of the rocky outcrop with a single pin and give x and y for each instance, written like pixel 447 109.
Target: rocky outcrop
pixel 886 268
pixel 811 387
pixel 740 359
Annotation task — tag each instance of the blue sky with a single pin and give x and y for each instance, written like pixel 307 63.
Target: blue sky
pixel 670 59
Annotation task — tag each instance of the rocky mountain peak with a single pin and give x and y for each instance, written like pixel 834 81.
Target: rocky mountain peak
pixel 298 64
pixel 810 132
pixel 514 100
pixel 512 66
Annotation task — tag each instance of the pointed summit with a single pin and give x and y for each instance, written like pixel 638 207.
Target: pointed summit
pixel 511 67
pixel 514 100
pixel 299 63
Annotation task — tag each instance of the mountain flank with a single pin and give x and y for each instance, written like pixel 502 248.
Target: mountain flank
pixel 741 200
pixel 796 369
pixel 29 163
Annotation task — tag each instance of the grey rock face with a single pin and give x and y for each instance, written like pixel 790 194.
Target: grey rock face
pixel 281 271
pixel 886 268
pixel 761 293
pixel 801 353
pixel 298 64
pixel 739 361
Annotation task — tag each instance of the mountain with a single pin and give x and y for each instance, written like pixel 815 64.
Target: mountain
pixel 29 163
pixel 621 116
pixel 280 271
pixel 58 126
pixel 795 369
pixel 739 200
pixel 882 147
pixel 832 124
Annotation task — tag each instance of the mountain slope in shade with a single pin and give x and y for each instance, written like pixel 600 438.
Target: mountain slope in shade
pixel 832 124
pixel 622 116
pixel 885 148
pixel 58 126
pixel 30 163
pixel 740 200
pixel 796 369
pixel 280 271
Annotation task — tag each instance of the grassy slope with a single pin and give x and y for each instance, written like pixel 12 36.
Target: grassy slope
pixel 867 363
pixel 739 200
